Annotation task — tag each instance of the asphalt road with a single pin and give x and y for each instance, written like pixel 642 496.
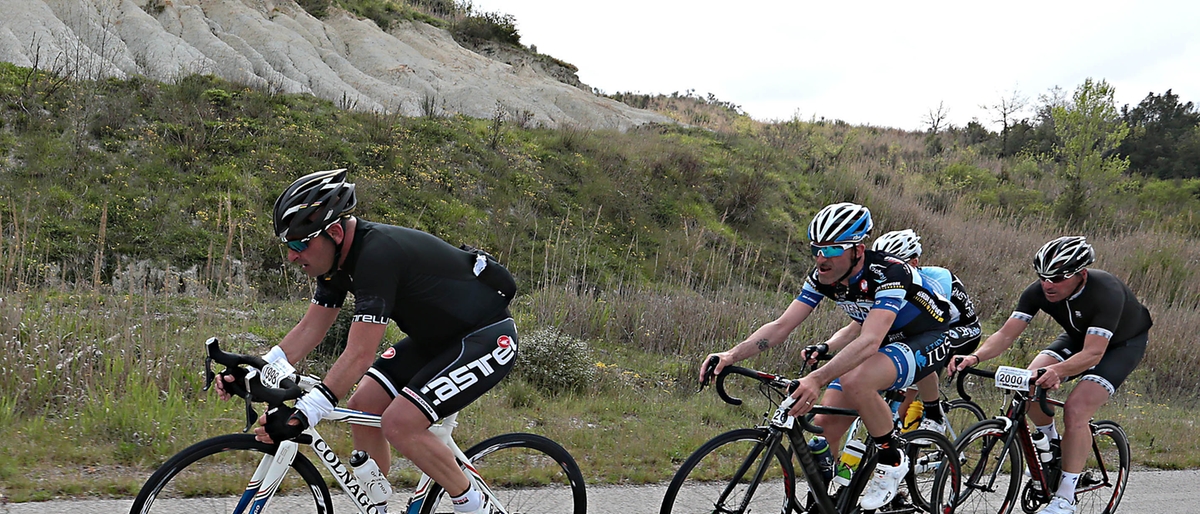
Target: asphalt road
pixel 1164 492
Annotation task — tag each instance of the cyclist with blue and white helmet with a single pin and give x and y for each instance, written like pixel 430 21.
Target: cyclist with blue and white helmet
pixel 1105 332
pixel 886 298
pixel 963 335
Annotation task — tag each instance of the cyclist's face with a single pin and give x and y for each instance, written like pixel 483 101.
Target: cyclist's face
pixel 317 259
pixel 829 269
pixel 1059 291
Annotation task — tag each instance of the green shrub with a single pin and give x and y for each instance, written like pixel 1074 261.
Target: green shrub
pixel 554 362
pixel 491 26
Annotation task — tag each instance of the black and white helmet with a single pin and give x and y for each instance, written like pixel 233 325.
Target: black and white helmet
pixel 904 244
pixel 1064 256
pixel 313 202
pixel 840 223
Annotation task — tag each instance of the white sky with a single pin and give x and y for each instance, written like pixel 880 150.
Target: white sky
pixel 869 62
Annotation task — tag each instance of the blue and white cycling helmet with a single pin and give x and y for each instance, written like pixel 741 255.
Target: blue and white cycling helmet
pixel 840 223
pixel 904 244
pixel 1063 257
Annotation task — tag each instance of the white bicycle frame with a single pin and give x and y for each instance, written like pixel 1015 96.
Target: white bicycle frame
pixel 273 468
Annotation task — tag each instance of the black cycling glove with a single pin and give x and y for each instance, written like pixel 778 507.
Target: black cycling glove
pixel 278 426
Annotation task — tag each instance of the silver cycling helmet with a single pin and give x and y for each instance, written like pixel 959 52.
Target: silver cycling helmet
pixel 904 244
pixel 1064 256
pixel 311 203
pixel 840 223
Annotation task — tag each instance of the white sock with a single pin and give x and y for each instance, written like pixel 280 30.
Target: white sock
pixel 1049 431
pixel 472 501
pixel 1066 487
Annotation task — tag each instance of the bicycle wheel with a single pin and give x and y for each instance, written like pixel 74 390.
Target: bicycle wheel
pixel 934 475
pixel 991 472
pixel 1106 472
pixel 213 475
pixel 960 415
pixel 718 477
pixel 527 474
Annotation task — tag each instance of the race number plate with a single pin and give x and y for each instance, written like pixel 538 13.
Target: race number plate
pixel 781 419
pixel 1015 379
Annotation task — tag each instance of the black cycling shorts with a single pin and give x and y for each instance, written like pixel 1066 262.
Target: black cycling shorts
pixel 1114 367
pixel 441 383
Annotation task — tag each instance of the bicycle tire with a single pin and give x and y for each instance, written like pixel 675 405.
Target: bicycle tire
pixel 934 475
pixel 205 476
pixel 961 415
pixel 1100 488
pixel 991 472
pixel 718 469
pixel 527 473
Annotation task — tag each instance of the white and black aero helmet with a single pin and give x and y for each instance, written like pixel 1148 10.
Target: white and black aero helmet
pixel 311 203
pixel 1064 256
pixel 840 223
pixel 904 244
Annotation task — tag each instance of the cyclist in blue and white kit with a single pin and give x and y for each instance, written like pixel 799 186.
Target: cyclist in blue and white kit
pixel 885 297
pixel 962 337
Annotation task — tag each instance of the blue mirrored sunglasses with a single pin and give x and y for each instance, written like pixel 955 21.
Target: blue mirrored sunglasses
pixel 299 245
pixel 830 250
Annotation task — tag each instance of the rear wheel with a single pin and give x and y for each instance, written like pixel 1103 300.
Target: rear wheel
pixel 526 473
pixel 1106 471
pixel 719 477
pixel 214 476
pixel 960 415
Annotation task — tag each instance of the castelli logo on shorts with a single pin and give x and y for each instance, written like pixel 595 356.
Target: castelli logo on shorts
pixel 503 341
pixel 389 353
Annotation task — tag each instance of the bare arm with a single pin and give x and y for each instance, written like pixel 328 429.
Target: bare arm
pixel 765 337
pixel 1093 350
pixel 308 333
pixel 361 346
pixel 844 336
pixel 993 346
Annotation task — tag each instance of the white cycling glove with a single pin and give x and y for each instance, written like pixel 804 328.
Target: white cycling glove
pixel 275 354
pixel 316 404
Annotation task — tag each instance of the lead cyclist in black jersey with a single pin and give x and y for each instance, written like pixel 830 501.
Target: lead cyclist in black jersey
pixel 1105 334
pixel 451 303
pixel 886 298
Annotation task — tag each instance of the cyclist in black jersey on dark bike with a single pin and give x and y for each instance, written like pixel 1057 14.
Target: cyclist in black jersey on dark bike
pixel 451 303
pixel 1105 334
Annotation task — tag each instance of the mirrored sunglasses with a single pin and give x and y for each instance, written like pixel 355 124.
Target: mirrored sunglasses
pixel 828 251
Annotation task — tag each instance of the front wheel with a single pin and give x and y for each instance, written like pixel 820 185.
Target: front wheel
pixel 214 477
pixel 992 469
pixel 934 476
pixel 527 474
pixel 1106 471
pixel 720 476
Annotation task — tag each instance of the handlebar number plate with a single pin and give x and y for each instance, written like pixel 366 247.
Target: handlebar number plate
pixel 1014 379
pixel 781 419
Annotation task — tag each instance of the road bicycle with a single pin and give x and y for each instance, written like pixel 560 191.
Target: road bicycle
pixel 751 469
pixel 996 452
pixel 520 473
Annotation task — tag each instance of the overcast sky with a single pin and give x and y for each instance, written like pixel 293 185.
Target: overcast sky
pixel 869 62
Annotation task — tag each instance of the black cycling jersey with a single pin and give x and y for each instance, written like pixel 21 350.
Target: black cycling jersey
pixel 1104 306
pixel 885 282
pixel 426 285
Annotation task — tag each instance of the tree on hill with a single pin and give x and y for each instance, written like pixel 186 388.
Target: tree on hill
pixel 1165 138
pixel 1090 130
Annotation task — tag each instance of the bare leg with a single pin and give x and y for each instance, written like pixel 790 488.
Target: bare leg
pixel 1081 405
pixel 408 430
pixel 371 397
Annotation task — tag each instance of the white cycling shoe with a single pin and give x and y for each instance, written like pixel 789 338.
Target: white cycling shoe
pixel 1059 505
pixel 929 424
pixel 884 484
